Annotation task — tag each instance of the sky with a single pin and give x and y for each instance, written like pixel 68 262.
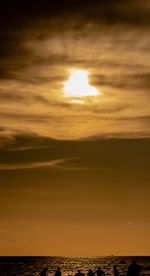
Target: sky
pixel 74 169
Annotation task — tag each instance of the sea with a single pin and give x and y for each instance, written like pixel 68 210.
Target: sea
pixel 29 266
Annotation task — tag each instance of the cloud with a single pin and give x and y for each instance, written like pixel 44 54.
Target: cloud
pixel 99 11
pixel 59 164
pixel 32 151
pixel 12 140
pixel 27 25
pixel 110 41
pixel 33 165
pixel 124 81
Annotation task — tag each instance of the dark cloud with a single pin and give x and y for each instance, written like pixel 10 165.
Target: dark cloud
pixel 110 11
pixel 23 21
pixel 24 140
pixel 125 81
pixel 89 153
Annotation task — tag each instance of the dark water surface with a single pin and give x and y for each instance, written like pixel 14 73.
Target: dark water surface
pixel 29 266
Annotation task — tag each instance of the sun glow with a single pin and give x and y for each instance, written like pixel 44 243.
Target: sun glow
pixel 78 85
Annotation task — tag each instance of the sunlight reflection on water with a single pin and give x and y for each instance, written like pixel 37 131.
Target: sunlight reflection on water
pixel 25 266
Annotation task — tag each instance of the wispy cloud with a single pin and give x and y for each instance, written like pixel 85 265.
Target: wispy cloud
pixel 67 164
pixel 33 165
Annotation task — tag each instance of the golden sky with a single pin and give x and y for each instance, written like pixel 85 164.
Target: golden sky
pixel 74 168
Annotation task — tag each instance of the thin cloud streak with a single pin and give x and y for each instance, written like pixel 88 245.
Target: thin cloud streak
pixel 60 164
pixel 53 163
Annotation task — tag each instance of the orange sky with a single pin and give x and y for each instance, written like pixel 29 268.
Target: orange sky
pixel 74 169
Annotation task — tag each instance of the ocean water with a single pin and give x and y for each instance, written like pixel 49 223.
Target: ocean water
pixel 29 266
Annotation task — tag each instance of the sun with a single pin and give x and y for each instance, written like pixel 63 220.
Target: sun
pixel 78 85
